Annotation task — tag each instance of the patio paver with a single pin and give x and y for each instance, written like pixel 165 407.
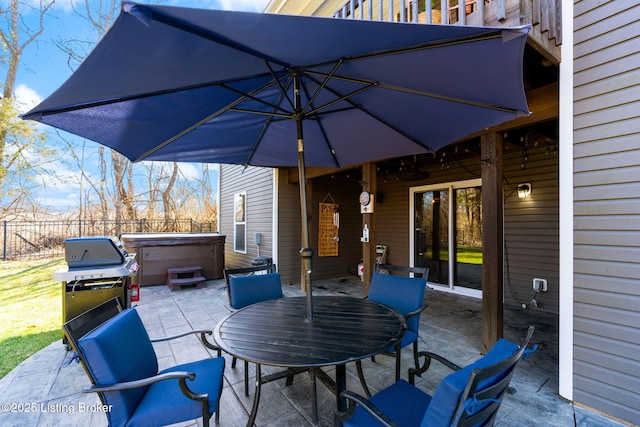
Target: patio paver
pixel 46 389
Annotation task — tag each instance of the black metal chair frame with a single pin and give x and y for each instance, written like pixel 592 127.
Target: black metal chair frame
pixel 493 395
pixel 79 326
pixel 387 269
pixel 228 272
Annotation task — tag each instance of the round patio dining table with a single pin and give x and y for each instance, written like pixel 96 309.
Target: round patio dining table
pixel 276 333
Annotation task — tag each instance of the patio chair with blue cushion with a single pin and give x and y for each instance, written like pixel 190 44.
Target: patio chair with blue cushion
pixel 119 358
pixel 249 285
pixel 470 396
pixel 404 294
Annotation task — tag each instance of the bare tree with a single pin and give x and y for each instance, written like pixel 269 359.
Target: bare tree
pixel 120 201
pixel 17 139
pixel 169 212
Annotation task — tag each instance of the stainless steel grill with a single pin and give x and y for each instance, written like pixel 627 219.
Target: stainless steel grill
pixel 99 269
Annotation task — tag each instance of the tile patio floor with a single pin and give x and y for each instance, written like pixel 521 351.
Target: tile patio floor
pixel 451 326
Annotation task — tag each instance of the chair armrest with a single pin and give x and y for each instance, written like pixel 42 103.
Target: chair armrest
pixel 203 337
pixel 411 313
pixel 416 312
pixel 355 399
pixel 426 363
pixel 143 382
pixel 181 376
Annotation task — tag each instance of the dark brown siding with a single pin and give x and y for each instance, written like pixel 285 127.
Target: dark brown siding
pixel 288 229
pixel 344 190
pixel 531 227
pixel 607 207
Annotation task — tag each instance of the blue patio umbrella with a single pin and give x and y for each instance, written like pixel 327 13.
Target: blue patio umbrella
pixel 192 85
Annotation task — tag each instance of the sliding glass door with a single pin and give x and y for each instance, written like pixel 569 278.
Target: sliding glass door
pixel 446 223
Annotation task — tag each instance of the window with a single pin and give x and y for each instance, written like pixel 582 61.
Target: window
pixel 240 222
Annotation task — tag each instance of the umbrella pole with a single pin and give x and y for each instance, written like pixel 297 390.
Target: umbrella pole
pixel 306 253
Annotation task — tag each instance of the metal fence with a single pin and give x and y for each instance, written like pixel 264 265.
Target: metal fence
pixel 45 239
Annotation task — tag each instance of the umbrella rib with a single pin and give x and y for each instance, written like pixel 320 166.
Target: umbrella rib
pixel 206 34
pixel 200 123
pixel 324 134
pixel 263 113
pixel 324 83
pixel 342 98
pixel 102 102
pixel 418 92
pixel 253 98
pixel 267 123
pixel 424 46
pixel 277 80
pixel 384 122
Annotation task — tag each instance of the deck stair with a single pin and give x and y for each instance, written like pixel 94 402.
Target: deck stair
pixel 177 277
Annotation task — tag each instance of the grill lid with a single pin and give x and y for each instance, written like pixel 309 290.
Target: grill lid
pixel 85 252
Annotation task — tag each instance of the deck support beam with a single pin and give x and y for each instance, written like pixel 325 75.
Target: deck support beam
pixel 492 239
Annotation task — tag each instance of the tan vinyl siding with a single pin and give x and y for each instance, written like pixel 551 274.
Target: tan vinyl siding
pixel 258 185
pixel 607 207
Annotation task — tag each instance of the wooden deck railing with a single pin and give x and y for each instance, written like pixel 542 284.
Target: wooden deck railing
pixel 545 16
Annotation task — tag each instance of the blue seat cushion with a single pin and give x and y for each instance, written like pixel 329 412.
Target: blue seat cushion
pixel 119 350
pixel 402 402
pixel 164 403
pixel 247 290
pixel 446 397
pixel 403 294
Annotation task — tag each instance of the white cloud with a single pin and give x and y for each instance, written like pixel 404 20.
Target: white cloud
pixel 25 98
pixel 59 203
pixel 189 170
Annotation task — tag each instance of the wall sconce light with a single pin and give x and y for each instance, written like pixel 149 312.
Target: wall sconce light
pixel 524 190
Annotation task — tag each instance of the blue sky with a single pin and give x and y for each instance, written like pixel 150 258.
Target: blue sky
pixel 44 68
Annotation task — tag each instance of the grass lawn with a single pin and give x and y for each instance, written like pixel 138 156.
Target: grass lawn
pixel 30 309
pixel 470 254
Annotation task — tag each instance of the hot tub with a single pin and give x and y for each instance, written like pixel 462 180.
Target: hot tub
pixel 158 251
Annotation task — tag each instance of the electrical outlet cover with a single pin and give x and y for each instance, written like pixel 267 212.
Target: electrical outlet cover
pixel 540 285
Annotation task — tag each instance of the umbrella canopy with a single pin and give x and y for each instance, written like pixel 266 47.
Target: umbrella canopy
pixel 180 84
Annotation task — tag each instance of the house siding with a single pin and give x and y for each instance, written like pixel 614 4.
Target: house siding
pixel 607 207
pixel 531 225
pixel 258 184
pixel 344 190
pixel 289 231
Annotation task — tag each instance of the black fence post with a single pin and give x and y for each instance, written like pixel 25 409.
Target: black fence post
pixel 4 245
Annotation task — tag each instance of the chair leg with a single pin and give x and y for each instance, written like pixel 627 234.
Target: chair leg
pixel 289 379
pixel 398 356
pixel 314 397
pixel 256 396
pixel 246 378
pixel 233 363
pixel 415 355
pixel 363 382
